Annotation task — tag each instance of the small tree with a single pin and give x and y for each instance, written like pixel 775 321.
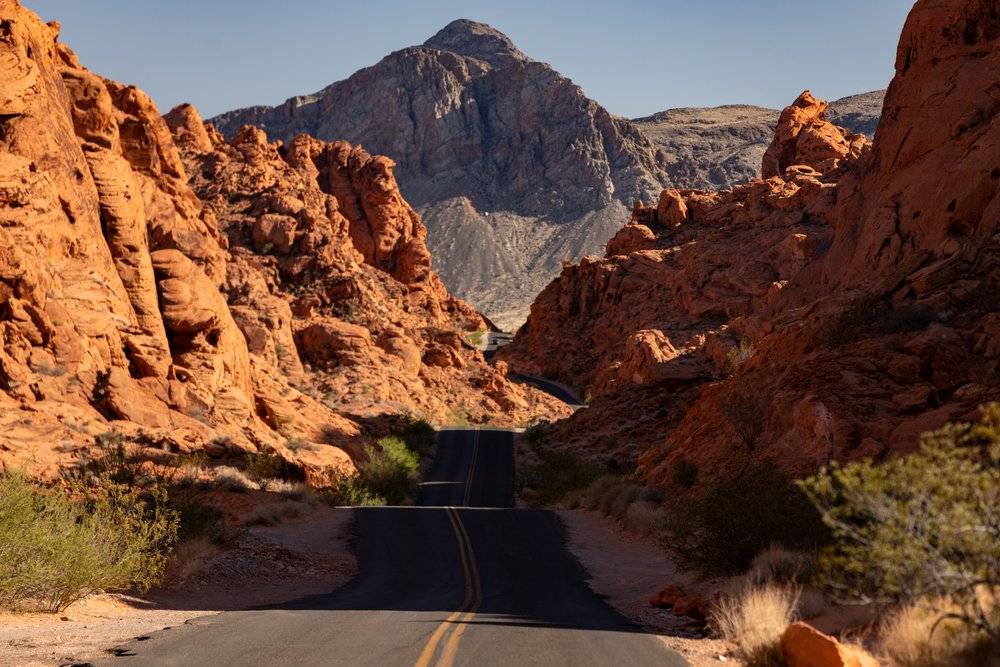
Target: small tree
pixel 919 526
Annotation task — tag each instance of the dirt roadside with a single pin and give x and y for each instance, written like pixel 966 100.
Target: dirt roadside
pixel 626 570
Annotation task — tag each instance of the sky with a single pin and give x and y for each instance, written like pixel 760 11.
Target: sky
pixel 635 57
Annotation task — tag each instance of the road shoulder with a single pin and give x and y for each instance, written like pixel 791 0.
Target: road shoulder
pixel 626 569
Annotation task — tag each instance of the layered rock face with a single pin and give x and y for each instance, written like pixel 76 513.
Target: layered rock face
pixel 123 306
pixel 891 326
pixel 720 147
pixel 512 167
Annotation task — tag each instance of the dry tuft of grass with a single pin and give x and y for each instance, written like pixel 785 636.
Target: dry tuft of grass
pixel 644 517
pixel 783 566
pixel 753 621
pixel 232 479
pixel 191 556
pixel 919 636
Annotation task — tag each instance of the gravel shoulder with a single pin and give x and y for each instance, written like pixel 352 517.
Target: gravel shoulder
pixel 626 570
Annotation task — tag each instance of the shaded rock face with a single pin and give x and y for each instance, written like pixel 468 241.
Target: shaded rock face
pixel 123 305
pixel 888 328
pixel 491 146
pixel 720 147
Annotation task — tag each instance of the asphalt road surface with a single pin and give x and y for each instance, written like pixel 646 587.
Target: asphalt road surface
pixel 460 579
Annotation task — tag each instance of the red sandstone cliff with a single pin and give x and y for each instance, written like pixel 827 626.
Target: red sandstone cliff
pixel 129 299
pixel 888 326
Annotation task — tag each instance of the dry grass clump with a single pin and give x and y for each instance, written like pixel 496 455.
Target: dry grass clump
pixel 784 566
pixel 924 636
pixel 644 517
pixel 753 622
pixel 232 479
pixel 191 556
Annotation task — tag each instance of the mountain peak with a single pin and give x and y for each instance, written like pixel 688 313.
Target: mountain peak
pixel 476 40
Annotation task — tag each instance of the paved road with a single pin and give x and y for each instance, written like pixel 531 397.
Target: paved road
pixel 461 579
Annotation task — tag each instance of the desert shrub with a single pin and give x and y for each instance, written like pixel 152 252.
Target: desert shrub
pixel 193 463
pixel 644 517
pixel 351 490
pixel 554 475
pixel 54 550
pixel 753 620
pixel 730 522
pixel 475 336
pixel 296 492
pixel 419 436
pixel 119 461
pixel 618 498
pixel 597 489
pixel 915 637
pixel 390 468
pixel 263 515
pixel 198 519
pixel 739 355
pixel 919 526
pixel 232 479
pixel 777 564
pixel 536 433
pixel 265 466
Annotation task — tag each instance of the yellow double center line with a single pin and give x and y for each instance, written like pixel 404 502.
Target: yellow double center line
pixel 472 468
pixel 473 584
pixel 470 605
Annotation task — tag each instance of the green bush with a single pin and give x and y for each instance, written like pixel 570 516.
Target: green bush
pixel 923 526
pixel 353 491
pixel 420 437
pixel 390 469
pixel 199 519
pixel 54 550
pixel 265 466
pixel 722 529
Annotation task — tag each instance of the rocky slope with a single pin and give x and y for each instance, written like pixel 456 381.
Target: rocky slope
pixel 287 298
pixel 890 329
pixel 676 274
pixel 512 167
pixel 719 147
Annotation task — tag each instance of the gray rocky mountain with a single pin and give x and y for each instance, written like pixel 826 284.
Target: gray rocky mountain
pixel 718 147
pixel 512 167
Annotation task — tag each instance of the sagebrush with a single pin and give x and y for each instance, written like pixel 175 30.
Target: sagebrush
pixel 55 549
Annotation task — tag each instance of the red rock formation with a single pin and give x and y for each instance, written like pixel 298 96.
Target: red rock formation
pixel 642 314
pixel 884 324
pixel 804 646
pixel 804 137
pixel 123 306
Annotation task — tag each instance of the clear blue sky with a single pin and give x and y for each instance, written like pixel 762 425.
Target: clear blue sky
pixel 635 57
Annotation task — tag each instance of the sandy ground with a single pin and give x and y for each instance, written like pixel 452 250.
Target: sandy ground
pixel 626 570
pixel 272 564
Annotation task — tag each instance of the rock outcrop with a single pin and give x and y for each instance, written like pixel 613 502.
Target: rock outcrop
pixel 721 147
pixel 804 137
pixel 888 329
pixel 512 167
pixel 130 301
